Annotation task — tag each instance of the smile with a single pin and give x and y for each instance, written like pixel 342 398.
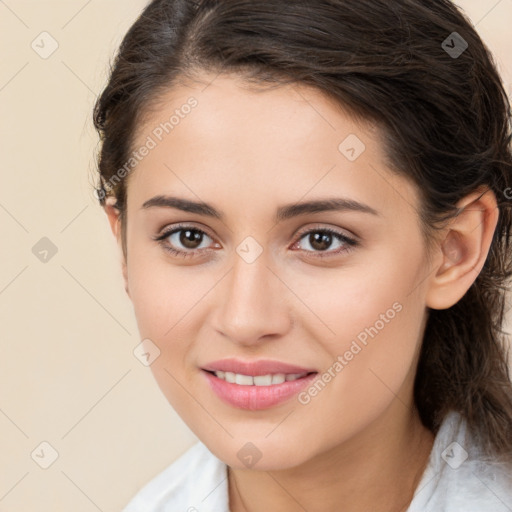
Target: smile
pixel 259 380
pixel 256 392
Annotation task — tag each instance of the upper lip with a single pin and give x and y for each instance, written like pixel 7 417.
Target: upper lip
pixel 254 368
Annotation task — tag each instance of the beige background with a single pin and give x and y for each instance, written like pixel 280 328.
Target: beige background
pixel 68 375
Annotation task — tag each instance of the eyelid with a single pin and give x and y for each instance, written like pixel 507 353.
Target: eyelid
pixel 350 241
pixel 326 227
pixel 169 229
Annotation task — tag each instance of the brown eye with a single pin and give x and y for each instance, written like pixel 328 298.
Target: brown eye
pixel 320 241
pixel 328 241
pixel 190 238
pixel 185 241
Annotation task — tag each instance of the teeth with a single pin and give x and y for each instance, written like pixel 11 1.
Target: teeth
pixel 294 376
pixel 278 378
pixel 259 380
pixel 244 380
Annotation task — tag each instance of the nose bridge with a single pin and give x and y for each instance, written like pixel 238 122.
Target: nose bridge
pixel 252 303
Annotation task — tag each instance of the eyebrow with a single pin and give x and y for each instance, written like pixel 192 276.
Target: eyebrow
pixel 283 212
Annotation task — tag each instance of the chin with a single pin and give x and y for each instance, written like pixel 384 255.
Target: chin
pixel 264 455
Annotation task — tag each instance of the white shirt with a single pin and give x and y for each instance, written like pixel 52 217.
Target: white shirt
pixel 455 480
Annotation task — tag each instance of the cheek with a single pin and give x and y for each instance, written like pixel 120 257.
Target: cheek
pixel 371 328
pixel 369 370
pixel 163 299
pixel 343 303
pixel 163 295
pixel 170 304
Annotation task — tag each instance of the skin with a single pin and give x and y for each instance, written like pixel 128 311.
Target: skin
pixel 359 442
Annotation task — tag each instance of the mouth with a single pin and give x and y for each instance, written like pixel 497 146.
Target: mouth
pixel 270 379
pixel 256 368
pixel 256 392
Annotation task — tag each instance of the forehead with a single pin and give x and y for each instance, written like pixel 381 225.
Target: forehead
pixel 229 104
pixel 221 136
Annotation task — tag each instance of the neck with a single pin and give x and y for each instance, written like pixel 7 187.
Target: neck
pixel 378 470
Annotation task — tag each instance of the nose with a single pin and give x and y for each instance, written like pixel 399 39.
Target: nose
pixel 253 304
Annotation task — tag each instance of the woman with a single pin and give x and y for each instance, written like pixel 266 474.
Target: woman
pixel 312 200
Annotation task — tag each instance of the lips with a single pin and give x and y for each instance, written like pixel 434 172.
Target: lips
pixel 255 398
pixel 255 368
pixel 232 381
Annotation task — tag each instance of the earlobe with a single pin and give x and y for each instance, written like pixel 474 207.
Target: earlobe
pixel 464 249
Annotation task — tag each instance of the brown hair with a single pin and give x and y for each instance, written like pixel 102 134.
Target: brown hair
pixel 443 114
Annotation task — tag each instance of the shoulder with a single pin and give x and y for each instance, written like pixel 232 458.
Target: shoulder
pixel 195 482
pixel 458 478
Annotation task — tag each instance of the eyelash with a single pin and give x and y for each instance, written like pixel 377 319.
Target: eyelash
pixel 350 243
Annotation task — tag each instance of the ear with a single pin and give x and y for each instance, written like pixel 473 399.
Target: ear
pixel 464 247
pixel 113 215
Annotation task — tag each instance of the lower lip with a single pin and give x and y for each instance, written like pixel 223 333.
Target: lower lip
pixel 255 398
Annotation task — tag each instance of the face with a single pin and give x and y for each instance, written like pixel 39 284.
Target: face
pixel 338 291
